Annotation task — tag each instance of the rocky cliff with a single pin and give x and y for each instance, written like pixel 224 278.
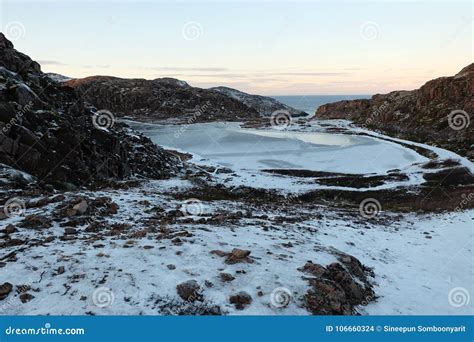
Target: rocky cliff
pixel 439 113
pixel 46 130
pixel 168 98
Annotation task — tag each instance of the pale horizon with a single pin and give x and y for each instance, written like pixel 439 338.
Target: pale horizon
pixel 267 48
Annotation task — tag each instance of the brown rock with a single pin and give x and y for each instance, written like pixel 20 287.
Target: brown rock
pixel 5 290
pixel 314 269
pixel 81 207
pixel 189 290
pixel 326 298
pixel 26 297
pixel 337 289
pixel 70 231
pixel 240 300
pixel 238 255
pixel 12 242
pixel 10 229
pixel 226 277
pixel 70 212
pixel 35 222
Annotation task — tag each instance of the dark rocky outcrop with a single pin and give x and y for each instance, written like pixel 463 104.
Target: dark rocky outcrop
pixel 47 130
pixel 421 115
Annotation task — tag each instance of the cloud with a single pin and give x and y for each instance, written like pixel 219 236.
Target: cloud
pixel 311 73
pixel 48 62
pixel 209 75
pixel 209 69
pixel 258 75
pixel 98 66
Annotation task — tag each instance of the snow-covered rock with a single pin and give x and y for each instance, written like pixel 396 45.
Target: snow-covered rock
pixel 58 77
pixel 264 105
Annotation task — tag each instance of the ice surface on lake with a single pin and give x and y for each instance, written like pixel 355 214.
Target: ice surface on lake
pixel 231 146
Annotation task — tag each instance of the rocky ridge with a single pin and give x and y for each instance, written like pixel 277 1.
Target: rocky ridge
pixel 439 113
pixel 159 99
pixel 168 98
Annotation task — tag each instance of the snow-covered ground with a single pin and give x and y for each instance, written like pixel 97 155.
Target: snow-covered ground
pixel 417 259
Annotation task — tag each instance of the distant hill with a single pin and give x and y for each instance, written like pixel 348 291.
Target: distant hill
pixel 263 104
pixel 169 98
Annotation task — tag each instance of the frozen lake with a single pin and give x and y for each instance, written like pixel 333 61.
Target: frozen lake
pixel 228 145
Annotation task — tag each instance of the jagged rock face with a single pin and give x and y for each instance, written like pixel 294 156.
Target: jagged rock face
pixel 47 131
pixel 264 105
pixel 159 99
pixel 420 115
pixel 16 61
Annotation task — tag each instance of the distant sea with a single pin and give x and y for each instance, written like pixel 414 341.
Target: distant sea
pixel 309 103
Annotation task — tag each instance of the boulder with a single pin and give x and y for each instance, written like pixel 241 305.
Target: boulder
pixel 5 290
pixel 338 288
pixel 240 300
pixel 189 290
pixel 238 255
pixel 226 277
